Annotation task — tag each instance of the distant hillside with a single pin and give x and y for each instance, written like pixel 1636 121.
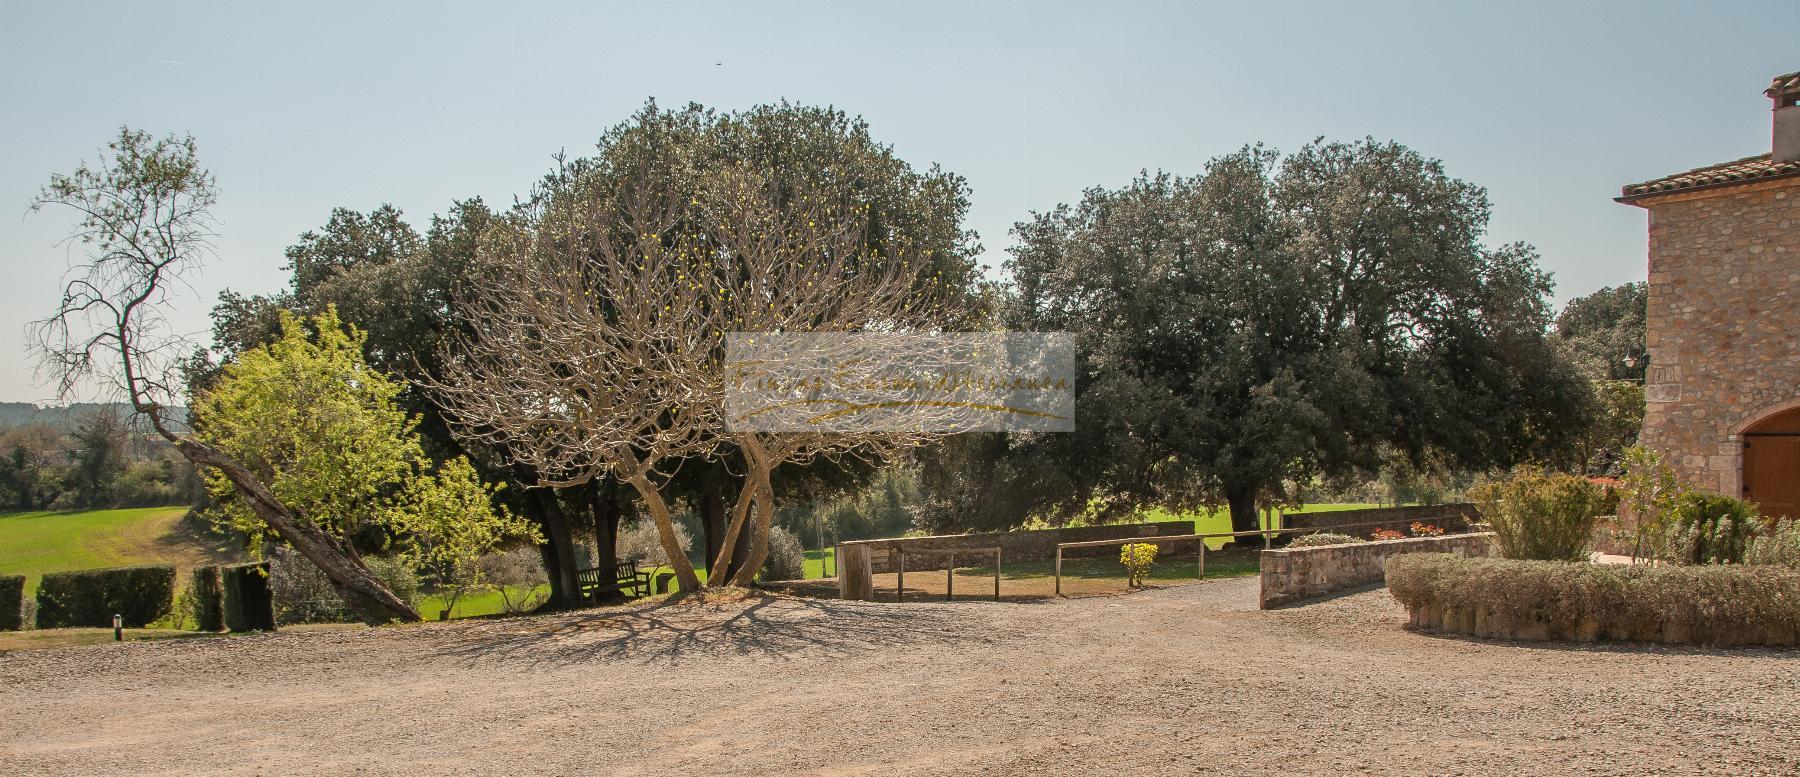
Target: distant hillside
pixel 65 418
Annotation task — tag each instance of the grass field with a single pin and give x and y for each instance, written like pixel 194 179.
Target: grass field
pixel 32 544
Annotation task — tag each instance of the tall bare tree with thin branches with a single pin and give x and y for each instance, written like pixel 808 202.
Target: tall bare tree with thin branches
pixel 144 221
pixel 598 344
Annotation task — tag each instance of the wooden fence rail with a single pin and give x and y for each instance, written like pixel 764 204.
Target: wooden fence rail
pixel 1268 536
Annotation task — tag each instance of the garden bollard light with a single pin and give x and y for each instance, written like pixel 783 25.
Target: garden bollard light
pixel 118 629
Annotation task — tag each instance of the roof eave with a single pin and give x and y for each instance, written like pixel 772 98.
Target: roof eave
pixel 1634 199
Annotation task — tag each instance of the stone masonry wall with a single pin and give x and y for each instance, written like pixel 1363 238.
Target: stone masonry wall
pixel 1296 574
pixel 1724 322
pixel 1038 545
pixel 1454 516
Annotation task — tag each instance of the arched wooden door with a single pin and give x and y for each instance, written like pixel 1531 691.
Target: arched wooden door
pixel 1772 464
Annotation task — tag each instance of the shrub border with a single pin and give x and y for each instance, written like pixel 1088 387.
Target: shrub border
pixel 1717 605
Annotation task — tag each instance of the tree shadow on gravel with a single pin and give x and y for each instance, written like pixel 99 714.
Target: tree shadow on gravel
pixel 673 629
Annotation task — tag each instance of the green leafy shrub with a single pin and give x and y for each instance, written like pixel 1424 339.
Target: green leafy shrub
pixel 1711 604
pixel 399 575
pixel 208 599
pixel 1779 545
pixel 302 594
pixel 1322 539
pixel 139 595
pixel 786 561
pixel 1541 516
pixel 248 603
pixel 12 602
pixel 1711 529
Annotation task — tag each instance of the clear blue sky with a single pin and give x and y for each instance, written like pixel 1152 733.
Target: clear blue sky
pixel 297 109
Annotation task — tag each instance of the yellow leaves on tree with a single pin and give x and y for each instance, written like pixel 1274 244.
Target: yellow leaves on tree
pixel 310 416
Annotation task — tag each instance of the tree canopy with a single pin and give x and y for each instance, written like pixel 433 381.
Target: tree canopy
pixel 310 418
pixel 1276 320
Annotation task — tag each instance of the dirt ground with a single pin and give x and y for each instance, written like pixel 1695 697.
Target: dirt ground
pixel 1181 680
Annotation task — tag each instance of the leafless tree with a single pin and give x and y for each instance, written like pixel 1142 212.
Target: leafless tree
pixel 144 221
pixel 598 344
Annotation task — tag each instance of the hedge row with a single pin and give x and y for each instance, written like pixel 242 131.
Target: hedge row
pixel 139 595
pixel 209 599
pixel 12 602
pixel 235 597
pixel 1708 604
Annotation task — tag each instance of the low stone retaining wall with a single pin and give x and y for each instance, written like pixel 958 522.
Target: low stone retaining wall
pixel 1455 516
pixel 1295 574
pixel 1037 545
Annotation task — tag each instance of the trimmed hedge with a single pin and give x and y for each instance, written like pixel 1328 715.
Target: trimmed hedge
pixel 248 603
pixel 209 599
pixel 12 602
pixel 92 597
pixel 1560 600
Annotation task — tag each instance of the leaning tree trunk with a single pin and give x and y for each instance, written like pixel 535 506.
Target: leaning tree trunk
pixel 734 547
pixel 364 593
pixel 758 477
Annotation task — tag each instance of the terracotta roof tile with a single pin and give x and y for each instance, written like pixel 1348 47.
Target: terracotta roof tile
pixel 1787 84
pixel 1741 171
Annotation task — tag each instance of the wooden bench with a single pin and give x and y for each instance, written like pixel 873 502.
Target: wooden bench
pixel 623 577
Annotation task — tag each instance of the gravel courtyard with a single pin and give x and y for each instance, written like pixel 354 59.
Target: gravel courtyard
pixel 1188 679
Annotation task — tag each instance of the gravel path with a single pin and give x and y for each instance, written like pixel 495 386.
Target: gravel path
pixel 1190 679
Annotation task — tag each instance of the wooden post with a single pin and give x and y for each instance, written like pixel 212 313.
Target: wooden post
pixel 996 574
pixel 899 554
pixel 1059 570
pixel 1203 559
pixel 819 532
pixel 950 578
pixel 855 579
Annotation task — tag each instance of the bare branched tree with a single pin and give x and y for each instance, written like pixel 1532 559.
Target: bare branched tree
pixel 145 220
pixel 598 344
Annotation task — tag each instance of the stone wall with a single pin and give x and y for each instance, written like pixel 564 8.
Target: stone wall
pixel 1038 545
pixel 1449 517
pixel 1724 322
pixel 1296 574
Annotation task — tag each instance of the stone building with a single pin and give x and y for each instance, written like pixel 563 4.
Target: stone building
pixel 1723 391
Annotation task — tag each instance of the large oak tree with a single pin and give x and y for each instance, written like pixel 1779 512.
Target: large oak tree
pixel 1276 320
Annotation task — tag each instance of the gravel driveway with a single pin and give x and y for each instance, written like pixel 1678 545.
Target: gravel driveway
pixel 1189 679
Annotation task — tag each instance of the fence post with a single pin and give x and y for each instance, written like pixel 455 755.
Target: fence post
pixel 856 579
pixel 950 578
pixel 1059 570
pixel 899 555
pixel 996 574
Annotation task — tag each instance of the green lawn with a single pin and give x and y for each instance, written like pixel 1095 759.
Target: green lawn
pixel 32 544
pixel 474 604
pixel 1218 520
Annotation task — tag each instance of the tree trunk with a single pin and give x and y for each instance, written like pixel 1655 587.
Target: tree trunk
pixel 559 564
pixel 1242 501
pixel 712 515
pixel 603 509
pixel 362 592
pixel 639 479
pixel 733 549
pixel 757 475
